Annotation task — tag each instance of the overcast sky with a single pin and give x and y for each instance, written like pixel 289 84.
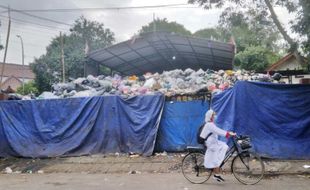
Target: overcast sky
pixel 124 23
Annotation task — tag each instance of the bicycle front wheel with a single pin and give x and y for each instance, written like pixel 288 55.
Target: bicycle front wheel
pixel 193 169
pixel 248 168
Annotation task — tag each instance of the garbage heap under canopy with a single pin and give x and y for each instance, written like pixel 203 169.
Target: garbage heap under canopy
pixel 162 51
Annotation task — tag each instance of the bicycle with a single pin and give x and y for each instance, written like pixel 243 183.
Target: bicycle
pixel 247 167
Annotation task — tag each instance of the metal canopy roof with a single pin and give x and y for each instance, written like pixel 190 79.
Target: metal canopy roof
pixel 162 51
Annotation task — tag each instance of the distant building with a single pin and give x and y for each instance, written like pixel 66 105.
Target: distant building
pixel 293 72
pixel 13 75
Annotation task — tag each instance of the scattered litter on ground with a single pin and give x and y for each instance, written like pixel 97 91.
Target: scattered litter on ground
pixel 306 166
pixel 134 172
pixel 161 154
pixel 133 155
pixel 8 170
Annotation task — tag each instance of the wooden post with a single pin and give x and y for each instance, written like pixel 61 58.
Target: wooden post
pixel 6 48
pixel 62 58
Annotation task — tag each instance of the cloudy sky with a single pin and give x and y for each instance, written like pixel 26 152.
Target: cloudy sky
pixel 37 33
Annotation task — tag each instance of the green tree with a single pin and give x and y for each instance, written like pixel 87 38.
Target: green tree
pixel 255 38
pixel 249 28
pixel 264 9
pixel 210 33
pixel 255 28
pixel 303 25
pixel 29 88
pixel 255 58
pixel 85 35
pixel 164 25
pixel 93 34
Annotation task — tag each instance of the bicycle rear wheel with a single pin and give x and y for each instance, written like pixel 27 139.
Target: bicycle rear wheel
pixel 248 168
pixel 193 169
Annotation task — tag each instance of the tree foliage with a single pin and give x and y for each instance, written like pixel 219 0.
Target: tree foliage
pixel 255 27
pixel 255 58
pixel 249 28
pixel 254 36
pixel 29 88
pixel 303 25
pixel 84 34
pixel 210 33
pixel 251 54
pixel 264 9
pixel 92 33
pixel 291 5
pixel 164 25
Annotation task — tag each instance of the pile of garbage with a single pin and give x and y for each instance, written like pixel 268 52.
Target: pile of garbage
pixel 169 83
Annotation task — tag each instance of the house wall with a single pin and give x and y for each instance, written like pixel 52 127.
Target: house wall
pixel 295 78
pixel 13 82
pixel 291 64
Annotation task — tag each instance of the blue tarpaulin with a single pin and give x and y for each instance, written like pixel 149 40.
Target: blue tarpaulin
pixel 275 116
pixel 179 124
pixel 79 126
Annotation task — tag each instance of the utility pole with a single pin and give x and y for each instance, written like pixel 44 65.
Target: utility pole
pixel 62 57
pixel 23 61
pixel 154 25
pixel 6 47
pixel 86 51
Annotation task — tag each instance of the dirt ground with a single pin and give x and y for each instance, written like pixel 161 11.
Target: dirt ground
pixel 115 163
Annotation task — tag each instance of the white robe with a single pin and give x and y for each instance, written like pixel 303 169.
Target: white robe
pixel 216 149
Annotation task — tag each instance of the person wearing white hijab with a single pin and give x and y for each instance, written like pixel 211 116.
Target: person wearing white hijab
pixel 216 149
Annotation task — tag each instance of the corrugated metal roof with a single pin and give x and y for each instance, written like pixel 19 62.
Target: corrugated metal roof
pixel 162 51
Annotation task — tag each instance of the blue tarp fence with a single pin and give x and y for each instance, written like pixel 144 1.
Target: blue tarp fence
pixel 179 124
pixel 275 116
pixel 79 126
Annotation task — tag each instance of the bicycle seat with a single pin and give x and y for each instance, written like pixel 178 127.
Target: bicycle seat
pixel 194 149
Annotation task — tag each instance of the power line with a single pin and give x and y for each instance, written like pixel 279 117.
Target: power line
pixel 30 44
pixel 26 55
pixel 31 31
pixel 104 8
pixel 35 16
pixel 78 9
pixel 29 22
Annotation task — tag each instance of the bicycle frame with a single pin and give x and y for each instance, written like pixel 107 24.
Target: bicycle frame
pixel 229 154
pixel 234 148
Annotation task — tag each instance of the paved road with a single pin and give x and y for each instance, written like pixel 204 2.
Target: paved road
pixel 167 181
